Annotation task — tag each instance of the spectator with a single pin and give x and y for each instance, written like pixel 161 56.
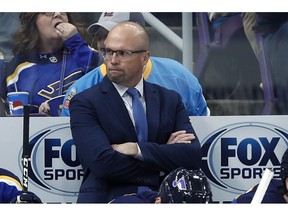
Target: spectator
pixel 179 186
pixel 9 24
pixel 162 71
pixel 231 70
pixel 273 28
pixel 114 160
pixel 277 191
pixel 11 190
pixel 49 56
pixel 249 21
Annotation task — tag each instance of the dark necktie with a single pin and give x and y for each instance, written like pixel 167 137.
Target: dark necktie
pixel 139 115
pixel 140 122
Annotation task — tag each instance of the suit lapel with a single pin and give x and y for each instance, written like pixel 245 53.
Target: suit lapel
pixel 120 112
pixel 152 109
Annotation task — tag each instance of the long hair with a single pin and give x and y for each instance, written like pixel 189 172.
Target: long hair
pixel 27 36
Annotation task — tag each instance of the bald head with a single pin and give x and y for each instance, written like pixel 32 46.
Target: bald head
pixel 127 53
pixel 130 35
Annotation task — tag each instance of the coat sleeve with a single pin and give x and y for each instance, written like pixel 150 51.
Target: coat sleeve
pixel 87 57
pixel 168 157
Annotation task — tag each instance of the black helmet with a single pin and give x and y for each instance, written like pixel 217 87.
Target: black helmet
pixel 185 186
pixel 284 168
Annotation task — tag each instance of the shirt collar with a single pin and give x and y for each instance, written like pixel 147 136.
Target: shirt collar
pixel 122 89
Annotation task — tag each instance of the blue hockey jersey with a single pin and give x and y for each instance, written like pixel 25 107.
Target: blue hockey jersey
pixel 10 186
pixel 274 193
pixel 162 71
pixel 48 75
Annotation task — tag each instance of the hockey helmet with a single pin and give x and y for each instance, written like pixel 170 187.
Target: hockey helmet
pixel 185 186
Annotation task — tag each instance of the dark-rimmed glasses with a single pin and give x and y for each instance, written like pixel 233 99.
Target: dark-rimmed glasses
pixel 121 54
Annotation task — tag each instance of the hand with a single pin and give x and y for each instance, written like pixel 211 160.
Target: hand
pixel 181 137
pixel 44 108
pixel 26 197
pixel 128 148
pixel 66 30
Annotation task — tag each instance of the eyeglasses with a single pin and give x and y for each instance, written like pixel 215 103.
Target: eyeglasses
pixel 50 14
pixel 121 54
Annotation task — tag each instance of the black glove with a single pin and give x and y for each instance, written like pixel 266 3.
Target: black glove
pixel 26 197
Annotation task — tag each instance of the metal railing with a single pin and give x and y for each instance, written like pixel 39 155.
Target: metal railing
pixel 184 44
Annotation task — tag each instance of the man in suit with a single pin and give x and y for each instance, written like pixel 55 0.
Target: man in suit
pixel 162 71
pixel 114 160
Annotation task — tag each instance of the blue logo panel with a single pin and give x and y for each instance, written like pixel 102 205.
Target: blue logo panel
pixel 235 157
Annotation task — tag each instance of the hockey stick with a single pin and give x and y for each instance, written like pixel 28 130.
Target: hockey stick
pixel 25 153
pixel 262 187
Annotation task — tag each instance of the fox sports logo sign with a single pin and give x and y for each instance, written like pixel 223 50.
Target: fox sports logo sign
pixel 236 156
pixel 54 165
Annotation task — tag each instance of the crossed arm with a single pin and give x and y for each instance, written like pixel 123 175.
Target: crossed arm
pixel 131 148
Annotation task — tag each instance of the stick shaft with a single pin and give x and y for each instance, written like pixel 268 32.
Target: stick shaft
pixel 262 187
pixel 26 151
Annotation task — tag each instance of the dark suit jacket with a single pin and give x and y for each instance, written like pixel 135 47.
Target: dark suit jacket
pixel 99 118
